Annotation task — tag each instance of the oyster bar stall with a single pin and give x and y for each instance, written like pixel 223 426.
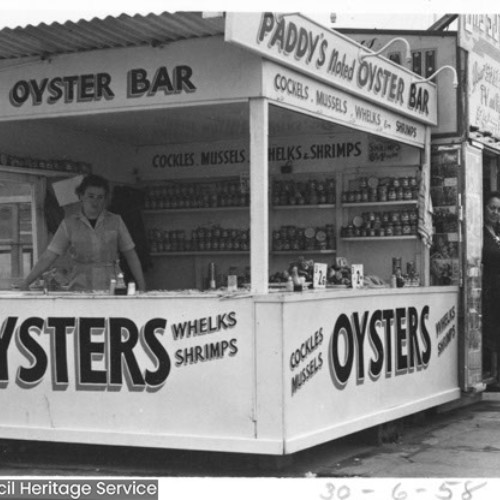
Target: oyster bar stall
pixel 253 149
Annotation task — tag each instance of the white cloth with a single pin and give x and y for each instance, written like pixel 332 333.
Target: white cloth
pixel 425 207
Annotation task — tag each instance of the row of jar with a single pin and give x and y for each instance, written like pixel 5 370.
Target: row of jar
pixel 312 238
pixel 196 195
pixel 309 192
pixel 386 229
pixel 59 165
pixel 380 194
pixel 405 181
pixel 375 219
pixel 202 201
pixel 202 239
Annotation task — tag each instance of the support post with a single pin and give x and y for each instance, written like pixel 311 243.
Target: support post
pixel 259 195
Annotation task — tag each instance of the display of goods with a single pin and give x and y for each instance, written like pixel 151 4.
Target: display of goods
pixel 443 248
pixel 203 239
pixel 445 221
pixel 293 238
pixel 308 192
pixel 390 223
pixel 65 165
pixel 444 271
pixel 300 268
pixel 373 189
pixel 196 195
pixel 242 277
pixel 444 195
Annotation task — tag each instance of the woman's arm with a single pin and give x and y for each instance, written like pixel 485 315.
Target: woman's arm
pixel 135 266
pixel 45 261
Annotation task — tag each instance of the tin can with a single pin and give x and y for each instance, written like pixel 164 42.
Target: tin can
pixel 410 268
pixel 396 264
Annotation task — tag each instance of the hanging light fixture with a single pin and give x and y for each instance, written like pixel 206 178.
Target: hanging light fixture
pixel 451 68
pixel 361 57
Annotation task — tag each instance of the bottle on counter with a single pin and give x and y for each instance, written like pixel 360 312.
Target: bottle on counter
pixel 297 285
pixel 212 279
pixel 120 287
pixel 112 286
pixel 131 289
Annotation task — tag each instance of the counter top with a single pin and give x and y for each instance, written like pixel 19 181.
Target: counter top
pixel 314 295
pixel 272 296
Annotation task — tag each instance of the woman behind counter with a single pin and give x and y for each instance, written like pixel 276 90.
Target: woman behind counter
pixel 93 238
pixel 491 284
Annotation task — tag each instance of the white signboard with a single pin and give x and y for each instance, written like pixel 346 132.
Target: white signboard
pixel 307 94
pixel 484 92
pixel 476 28
pixel 188 71
pixel 135 371
pixel 307 153
pixel 326 55
pixel 351 363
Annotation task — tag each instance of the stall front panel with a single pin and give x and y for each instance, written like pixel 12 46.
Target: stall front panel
pixel 354 361
pixel 174 373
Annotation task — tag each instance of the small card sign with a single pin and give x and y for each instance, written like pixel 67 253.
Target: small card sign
pixel 357 275
pixel 319 275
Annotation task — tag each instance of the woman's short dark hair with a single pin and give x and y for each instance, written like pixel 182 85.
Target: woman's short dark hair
pixel 92 180
pixel 490 196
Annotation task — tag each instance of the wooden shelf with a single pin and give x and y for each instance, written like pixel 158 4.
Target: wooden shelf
pixel 380 238
pixel 380 203
pixel 294 207
pixel 200 253
pixel 194 209
pixel 304 252
pixel 40 172
pixel 241 252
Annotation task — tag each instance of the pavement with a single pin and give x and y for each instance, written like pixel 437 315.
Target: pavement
pixel 454 441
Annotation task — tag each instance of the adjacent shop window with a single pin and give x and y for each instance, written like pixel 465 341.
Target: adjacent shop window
pixel 16 234
pixel 445 269
pixel 424 62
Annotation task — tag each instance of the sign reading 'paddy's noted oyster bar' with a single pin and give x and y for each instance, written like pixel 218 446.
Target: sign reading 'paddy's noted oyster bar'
pixel 310 48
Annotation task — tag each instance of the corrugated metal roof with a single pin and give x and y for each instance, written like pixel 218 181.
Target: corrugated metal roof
pixel 110 32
